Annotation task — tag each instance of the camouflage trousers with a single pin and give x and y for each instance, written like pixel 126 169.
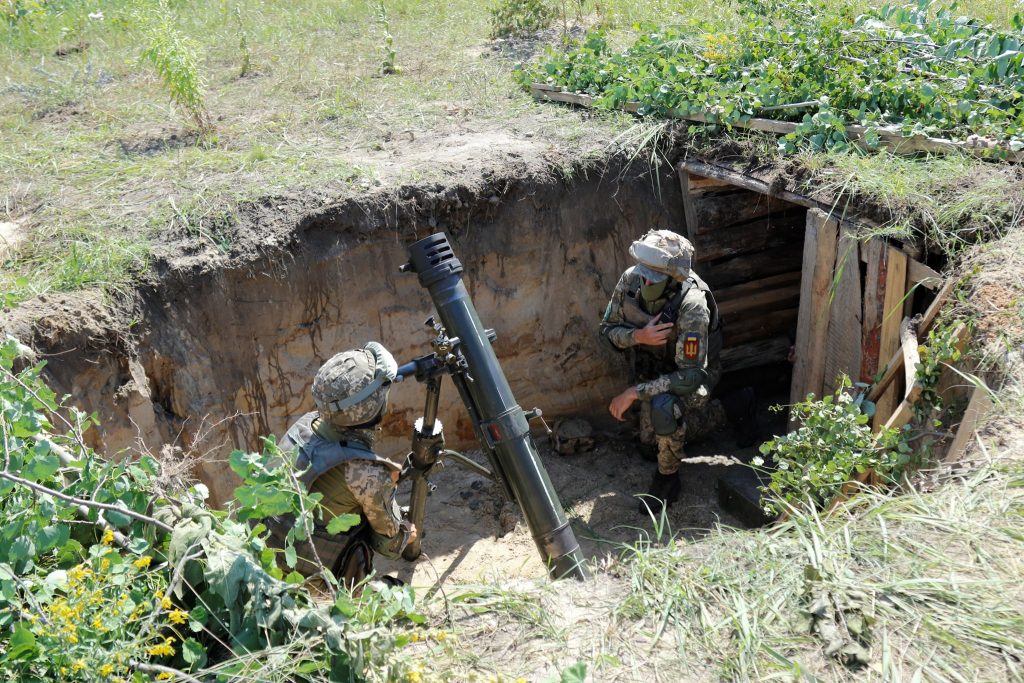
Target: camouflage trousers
pixel 698 417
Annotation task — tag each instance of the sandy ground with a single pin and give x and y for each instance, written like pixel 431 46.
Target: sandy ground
pixel 472 534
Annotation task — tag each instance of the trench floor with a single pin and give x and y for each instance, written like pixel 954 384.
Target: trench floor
pixel 474 535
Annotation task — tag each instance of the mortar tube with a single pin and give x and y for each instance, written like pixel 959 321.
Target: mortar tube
pixel 503 425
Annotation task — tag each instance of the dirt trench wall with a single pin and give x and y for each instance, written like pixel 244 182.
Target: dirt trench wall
pixel 224 357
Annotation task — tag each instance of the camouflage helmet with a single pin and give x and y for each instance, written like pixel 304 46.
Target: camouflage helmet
pixel 352 387
pixel 662 253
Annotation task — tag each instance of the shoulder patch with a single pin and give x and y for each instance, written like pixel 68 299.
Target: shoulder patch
pixel 691 345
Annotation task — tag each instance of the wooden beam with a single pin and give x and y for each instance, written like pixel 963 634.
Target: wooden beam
pixel 754 327
pixel 745 289
pixel 890 139
pixel 892 369
pixel 748 183
pixel 843 342
pixel 911 357
pixel 746 267
pixel 745 238
pixel 889 335
pixel 875 251
pixel 905 410
pixel 699 185
pixel 765 300
pixel 977 407
pixel 819 254
pixel 716 210
pixel 689 208
pixel 896 363
pixel 919 273
pixel 753 354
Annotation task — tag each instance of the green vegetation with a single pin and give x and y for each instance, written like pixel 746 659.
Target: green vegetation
pixel 834 440
pixel 174 56
pixel 111 571
pixel 520 18
pixel 918 69
pixel 920 586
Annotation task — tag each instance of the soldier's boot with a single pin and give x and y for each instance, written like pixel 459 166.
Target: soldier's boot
pixel 664 491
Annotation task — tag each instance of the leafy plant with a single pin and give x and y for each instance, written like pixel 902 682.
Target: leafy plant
pixel 814 461
pixel 176 60
pixel 520 18
pixel 243 45
pixel 106 574
pixel 387 47
pixel 915 69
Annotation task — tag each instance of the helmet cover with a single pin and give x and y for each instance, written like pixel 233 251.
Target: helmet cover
pixel 665 252
pixel 352 387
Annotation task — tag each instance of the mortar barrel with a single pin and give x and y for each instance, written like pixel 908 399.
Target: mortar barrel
pixel 503 425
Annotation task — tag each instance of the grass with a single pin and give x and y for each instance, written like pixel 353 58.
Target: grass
pixel 91 146
pixel 923 586
pixel 97 163
pixel 951 201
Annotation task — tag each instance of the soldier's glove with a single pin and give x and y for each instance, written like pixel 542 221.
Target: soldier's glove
pixel 391 547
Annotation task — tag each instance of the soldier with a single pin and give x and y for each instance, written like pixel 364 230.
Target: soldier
pixel 665 317
pixel 335 454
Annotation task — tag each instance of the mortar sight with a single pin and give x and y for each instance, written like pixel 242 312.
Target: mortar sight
pixel 500 424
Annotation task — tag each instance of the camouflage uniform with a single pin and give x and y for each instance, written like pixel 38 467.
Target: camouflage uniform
pixel 667 373
pixel 335 458
pixel 361 484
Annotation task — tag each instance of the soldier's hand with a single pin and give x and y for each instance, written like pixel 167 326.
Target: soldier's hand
pixel 653 333
pixel 412 533
pixel 621 403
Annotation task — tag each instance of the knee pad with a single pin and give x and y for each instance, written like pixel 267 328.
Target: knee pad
pixel 664 414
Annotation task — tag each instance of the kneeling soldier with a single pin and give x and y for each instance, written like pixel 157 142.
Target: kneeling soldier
pixel 665 317
pixel 336 457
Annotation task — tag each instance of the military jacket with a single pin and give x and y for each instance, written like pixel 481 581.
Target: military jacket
pixel 352 478
pixel 693 344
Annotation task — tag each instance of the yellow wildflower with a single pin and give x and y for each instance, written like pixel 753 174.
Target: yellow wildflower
pixel 178 616
pixel 106 670
pixel 78 665
pixel 97 624
pixel 142 562
pixel 166 603
pixel 414 637
pixel 108 537
pixel 77 573
pixel 104 564
pixel 164 677
pixel 441 635
pixel 415 677
pixel 164 649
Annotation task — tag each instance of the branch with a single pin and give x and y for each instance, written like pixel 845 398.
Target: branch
pixel 160 669
pixel 39 488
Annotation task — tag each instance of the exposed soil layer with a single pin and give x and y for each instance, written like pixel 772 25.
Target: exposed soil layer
pixel 221 348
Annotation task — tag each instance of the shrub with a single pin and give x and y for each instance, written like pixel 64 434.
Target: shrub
pixel 833 440
pixel 520 18
pixel 175 58
pixel 108 570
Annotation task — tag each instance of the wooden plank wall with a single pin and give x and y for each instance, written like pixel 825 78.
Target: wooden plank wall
pixel 748 247
pixel 785 274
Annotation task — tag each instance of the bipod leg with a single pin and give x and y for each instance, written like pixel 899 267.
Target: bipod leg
pixel 427 446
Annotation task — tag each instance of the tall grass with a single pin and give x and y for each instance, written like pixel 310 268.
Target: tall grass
pixel 923 586
pixel 175 57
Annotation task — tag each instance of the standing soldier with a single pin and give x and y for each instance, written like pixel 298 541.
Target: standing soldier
pixel 336 457
pixel 665 318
